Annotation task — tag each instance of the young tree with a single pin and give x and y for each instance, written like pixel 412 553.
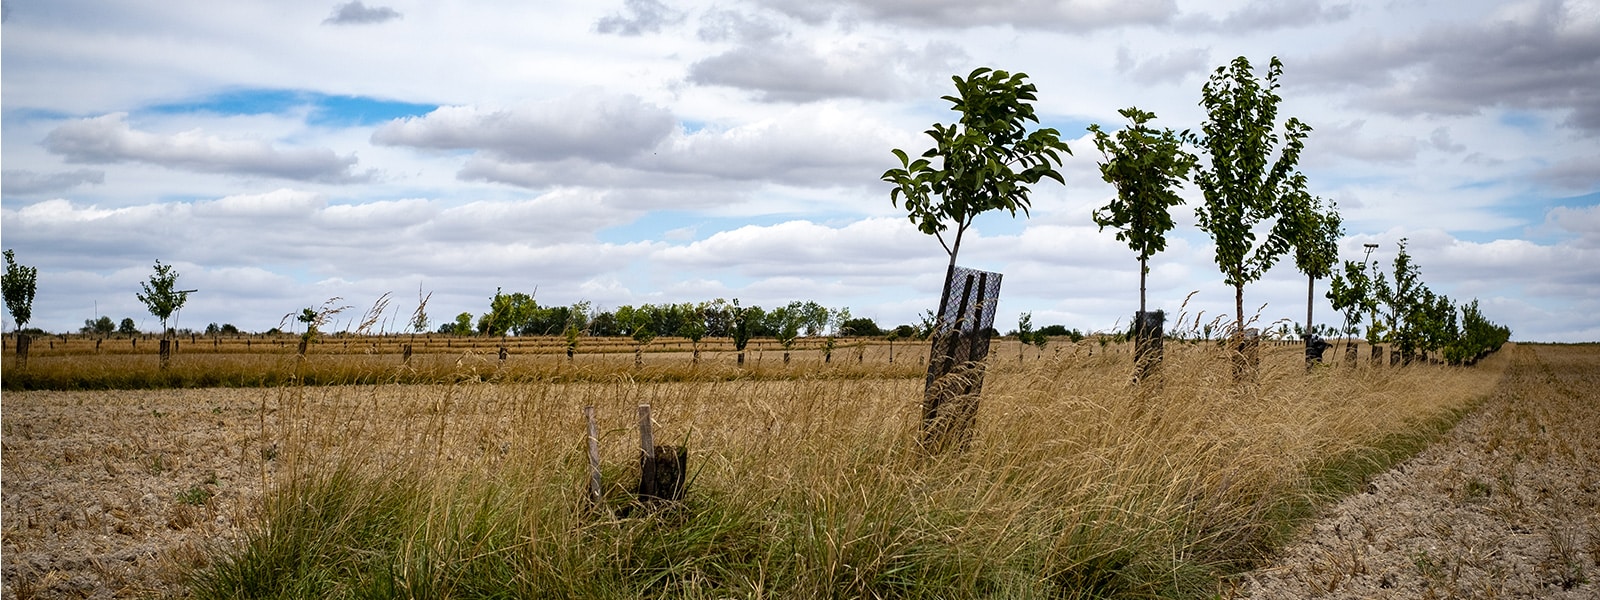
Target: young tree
pixel 1146 166
pixel 984 162
pixel 419 317
pixel 1352 293
pixel 101 326
pixel 1316 247
pixel 1024 332
pixel 128 327
pixel 744 324
pixel 1403 300
pixel 1243 184
pixel 19 283
pixel 160 295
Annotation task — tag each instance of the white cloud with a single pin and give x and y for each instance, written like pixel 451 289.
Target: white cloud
pixel 1170 67
pixel 591 125
pixel 783 70
pixel 109 139
pixel 23 181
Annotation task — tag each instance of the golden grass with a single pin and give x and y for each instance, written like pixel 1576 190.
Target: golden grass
pixel 1076 483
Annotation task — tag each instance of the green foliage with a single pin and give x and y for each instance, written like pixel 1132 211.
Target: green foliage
pixel 19 284
pixel 127 327
pixel 419 318
pixel 785 322
pixel 315 318
pixel 1352 293
pixel 1242 183
pixel 1404 303
pixel 745 321
pixel 1316 230
pixel 101 326
pixel 462 325
pixel 1414 318
pixel 984 162
pixel 1146 166
pixel 507 311
pixel 862 327
pixel 160 295
pixel 1479 336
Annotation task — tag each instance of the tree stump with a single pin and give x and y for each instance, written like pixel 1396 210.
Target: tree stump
pixel 664 474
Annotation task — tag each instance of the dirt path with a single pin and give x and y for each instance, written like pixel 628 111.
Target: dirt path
pixel 1506 506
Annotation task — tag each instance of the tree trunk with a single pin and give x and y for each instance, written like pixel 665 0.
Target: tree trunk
pixel 1143 272
pixel 1243 353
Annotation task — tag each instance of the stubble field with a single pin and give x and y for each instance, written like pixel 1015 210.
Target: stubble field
pixel 805 479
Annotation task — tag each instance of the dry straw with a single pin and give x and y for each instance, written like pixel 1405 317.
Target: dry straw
pixel 1076 483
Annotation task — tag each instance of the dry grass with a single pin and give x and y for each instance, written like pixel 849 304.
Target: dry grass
pixel 807 485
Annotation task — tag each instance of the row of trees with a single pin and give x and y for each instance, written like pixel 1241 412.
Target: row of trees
pixel 1250 181
pixel 1404 312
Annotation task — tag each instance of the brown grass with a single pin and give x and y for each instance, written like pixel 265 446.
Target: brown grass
pixel 1074 481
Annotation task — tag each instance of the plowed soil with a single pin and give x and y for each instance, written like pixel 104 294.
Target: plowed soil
pixel 1506 506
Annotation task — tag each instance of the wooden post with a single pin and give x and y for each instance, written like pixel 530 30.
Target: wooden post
pixel 594 455
pixel 647 454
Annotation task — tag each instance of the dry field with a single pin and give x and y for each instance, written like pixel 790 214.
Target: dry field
pixel 1506 506
pixel 803 485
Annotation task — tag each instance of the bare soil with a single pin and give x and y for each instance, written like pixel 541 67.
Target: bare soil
pixel 109 494
pixel 1506 506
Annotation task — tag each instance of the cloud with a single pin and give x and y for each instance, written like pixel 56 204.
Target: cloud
pixel 356 13
pixel 1052 15
pixel 1533 56
pixel 108 139
pixel 1574 174
pixel 589 125
pixel 624 143
pixel 1267 15
pixel 787 71
pixel 870 247
pixel 23 181
pixel 1171 67
pixel 639 17
pixel 1583 221
pixel 721 25
pixel 1346 140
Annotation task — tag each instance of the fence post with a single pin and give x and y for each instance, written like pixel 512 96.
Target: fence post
pixel 647 454
pixel 594 455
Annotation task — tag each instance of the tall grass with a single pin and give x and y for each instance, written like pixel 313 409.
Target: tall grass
pixel 1076 485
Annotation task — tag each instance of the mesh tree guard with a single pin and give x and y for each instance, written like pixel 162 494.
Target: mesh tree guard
pixel 956 361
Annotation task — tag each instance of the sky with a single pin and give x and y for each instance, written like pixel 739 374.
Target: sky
pixel 282 153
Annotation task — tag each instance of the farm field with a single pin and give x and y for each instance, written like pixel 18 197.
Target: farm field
pixel 805 479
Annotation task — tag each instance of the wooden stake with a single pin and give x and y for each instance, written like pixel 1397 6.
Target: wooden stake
pixel 647 454
pixel 594 455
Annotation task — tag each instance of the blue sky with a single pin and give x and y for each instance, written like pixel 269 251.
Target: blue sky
pixel 628 151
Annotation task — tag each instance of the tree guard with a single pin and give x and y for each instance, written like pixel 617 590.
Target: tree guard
pixel 956 361
pixel 1147 343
